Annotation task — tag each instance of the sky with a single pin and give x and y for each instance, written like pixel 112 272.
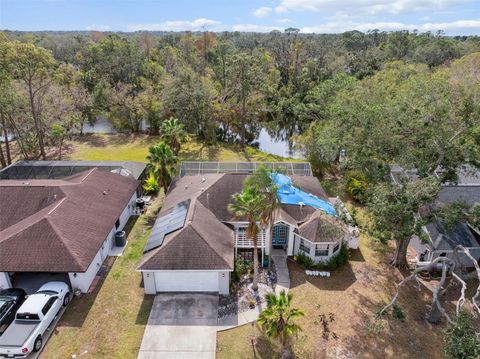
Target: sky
pixel 455 17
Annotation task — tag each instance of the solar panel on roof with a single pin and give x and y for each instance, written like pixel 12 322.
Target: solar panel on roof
pixel 167 223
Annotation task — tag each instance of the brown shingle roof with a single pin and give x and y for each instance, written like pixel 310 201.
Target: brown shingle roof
pixel 205 242
pixel 61 233
pixel 322 228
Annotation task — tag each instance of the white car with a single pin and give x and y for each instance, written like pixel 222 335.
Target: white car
pixel 33 318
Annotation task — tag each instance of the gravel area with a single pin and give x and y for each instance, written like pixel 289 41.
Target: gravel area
pixel 241 294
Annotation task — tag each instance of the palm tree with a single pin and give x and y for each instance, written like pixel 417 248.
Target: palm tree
pixel 162 163
pixel 249 205
pixel 173 133
pixel 263 181
pixel 277 320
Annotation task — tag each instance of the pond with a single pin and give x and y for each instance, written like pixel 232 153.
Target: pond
pixel 277 145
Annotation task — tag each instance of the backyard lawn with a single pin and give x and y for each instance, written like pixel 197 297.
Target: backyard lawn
pixel 135 148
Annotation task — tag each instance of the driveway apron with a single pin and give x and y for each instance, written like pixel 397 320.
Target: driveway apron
pixel 181 325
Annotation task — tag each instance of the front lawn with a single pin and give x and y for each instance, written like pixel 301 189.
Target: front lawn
pixel 353 294
pixel 109 323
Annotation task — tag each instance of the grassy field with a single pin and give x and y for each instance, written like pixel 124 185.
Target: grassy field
pixel 353 294
pixel 109 323
pixel 135 148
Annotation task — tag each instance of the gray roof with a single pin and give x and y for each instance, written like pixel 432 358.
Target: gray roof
pixel 468 195
pixel 443 239
pixel 467 175
pixel 62 169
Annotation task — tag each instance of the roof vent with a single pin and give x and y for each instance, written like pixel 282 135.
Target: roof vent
pixel 105 193
pixel 186 186
pixel 203 179
pixel 202 189
pixel 26 183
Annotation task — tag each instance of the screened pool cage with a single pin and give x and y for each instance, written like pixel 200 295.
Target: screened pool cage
pixel 191 168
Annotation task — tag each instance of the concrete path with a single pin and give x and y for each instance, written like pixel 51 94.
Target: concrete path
pixel 283 277
pixel 239 319
pixel 181 325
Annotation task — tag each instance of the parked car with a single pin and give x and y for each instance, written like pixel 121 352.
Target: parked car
pixel 33 318
pixel 10 300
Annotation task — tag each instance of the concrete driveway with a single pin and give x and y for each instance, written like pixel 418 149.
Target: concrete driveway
pixel 181 325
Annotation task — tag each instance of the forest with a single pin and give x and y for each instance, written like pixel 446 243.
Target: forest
pixel 221 86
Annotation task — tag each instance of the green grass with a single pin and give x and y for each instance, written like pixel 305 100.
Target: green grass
pixel 135 148
pixel 109 323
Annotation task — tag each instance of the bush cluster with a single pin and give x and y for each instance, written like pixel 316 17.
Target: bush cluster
pixel 336 261
pixel 151 184
pixel 357 185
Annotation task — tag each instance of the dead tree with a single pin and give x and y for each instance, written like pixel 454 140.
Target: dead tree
pixel 446 265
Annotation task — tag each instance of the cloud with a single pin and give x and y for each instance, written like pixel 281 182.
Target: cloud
pixel 179 25
pixel 98 27
pixel 262 11
pixel 254 28
pixel 284 21
pixel 370 7
pixel 342 26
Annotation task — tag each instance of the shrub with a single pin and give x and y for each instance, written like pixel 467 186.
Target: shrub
pixel 460 339
pixel 398 313
pixel 242 267
pixel 339 259
pixel 304 260
pixel 151 184
pixel 332 263
pixel 356 185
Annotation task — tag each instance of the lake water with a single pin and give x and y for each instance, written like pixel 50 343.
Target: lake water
pixel 277 145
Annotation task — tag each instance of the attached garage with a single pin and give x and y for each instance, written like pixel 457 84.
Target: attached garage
pixel 186 281
pixel 188 250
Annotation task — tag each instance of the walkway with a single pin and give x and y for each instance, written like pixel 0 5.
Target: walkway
pixel 283 277
pixel 181 325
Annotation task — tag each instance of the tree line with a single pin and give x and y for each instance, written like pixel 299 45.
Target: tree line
pixel 221 86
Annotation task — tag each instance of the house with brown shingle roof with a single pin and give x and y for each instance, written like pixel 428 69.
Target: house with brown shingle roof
pixel 62 226
pixel 196 238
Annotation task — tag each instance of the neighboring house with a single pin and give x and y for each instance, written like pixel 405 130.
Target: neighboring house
pixel 442 241
pixel 63 227
pixel 196 238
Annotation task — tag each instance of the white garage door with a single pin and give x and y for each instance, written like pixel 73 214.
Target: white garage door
pixel 184 281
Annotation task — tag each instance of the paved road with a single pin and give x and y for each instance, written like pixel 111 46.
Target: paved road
pixel 181 325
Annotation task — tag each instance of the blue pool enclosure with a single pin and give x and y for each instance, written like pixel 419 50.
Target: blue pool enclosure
pixel 289 194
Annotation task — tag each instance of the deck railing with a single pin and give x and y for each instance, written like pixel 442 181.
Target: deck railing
pixel 241 240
